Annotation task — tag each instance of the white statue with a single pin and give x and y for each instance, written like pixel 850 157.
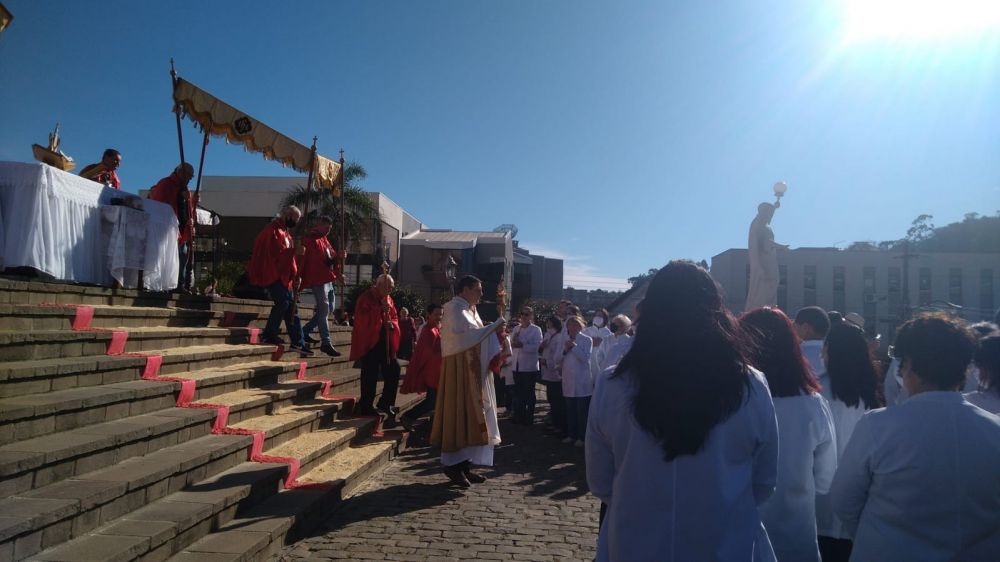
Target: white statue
pixel 763 255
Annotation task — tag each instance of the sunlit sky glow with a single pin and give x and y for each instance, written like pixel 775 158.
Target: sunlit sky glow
pixel 617 135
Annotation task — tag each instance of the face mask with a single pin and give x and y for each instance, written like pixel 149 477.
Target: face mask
pixel 598 321
pixel 290 223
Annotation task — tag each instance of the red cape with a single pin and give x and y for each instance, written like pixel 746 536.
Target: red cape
pixel 167 191
pixel 368 324
pixel 425 365
pixel 273 257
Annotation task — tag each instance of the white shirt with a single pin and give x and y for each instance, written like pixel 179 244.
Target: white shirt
pixel 526 357
pixel 807 460
pixel 988 400
pixel 595 333
pixel 921 482
pixel 695 507
pixel 812 350
pixel 577 378
pixel 845 418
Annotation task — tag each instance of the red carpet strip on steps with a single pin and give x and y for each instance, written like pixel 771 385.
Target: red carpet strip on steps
pixel 82 320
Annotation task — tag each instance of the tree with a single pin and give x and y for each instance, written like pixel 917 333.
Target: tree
pixel 361 210
pixel 642 276
pixel 921 229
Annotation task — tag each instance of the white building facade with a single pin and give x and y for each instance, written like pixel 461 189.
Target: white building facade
pixel 872 283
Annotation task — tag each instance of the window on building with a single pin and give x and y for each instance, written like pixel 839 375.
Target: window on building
pixel 809 286
pixel 870 298
pixel 839 288
pixel 955 285
pixel 925 285
pixel 986 303
pixel 783 287
pixel 895 294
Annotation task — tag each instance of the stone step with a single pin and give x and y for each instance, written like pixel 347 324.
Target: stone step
pixel 259 533
pixel 168 525
pixel 250 403
pixel 288 423
pixel 21 291
pixel 41 317
pixel 50 344
pixel 35 463
pixel 27 417
pixel 212 382
pixel 71 508
pixel 21 378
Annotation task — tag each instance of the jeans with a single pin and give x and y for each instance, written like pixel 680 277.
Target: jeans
pixel 576 416
pixel 373 364
pixel 425 405
pixel 557 404
pixel 524 395
pixel 321 313
pixel 284 309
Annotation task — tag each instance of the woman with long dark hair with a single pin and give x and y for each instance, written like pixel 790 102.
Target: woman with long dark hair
pixel 682 442
pixel 807 458
pixel 853 377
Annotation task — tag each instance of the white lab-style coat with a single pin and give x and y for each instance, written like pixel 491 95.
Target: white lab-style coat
pixel 695 507
pixel 525 359
pixel 552 353
pixel 604 352
pixel 807 460
pixel 845 419
pixel 920 482
pixel 622 346
pixel 577 378
pixel 594 332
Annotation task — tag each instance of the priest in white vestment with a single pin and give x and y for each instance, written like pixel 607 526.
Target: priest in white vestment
pixel 465 417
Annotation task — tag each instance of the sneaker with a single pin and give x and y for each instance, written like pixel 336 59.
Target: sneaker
pixel 329 350
pixel 304 350
pixel 391 411
pixel 567 440
pixel 310 339
pixel 578 443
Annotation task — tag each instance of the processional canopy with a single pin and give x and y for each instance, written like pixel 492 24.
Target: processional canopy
pixel 221 119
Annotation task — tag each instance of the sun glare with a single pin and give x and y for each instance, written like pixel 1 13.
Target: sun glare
pixel 918 19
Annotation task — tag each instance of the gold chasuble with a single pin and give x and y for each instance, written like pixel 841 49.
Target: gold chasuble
pixel 465 423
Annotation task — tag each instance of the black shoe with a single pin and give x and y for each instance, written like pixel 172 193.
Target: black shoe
pixel 329 350
pixel 390 411
pixel 304 350
pixel 310 339
pixel 365 412
pixel 471 476
pixel 407 423
pixel 457 477
pixel 272 340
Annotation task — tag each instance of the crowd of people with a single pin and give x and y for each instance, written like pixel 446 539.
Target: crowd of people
pixel 709 436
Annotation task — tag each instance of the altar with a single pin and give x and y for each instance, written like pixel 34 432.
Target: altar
pixel 66 226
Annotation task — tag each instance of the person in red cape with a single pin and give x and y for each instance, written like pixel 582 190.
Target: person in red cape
pixel 425 368
pixel 272 266
pixel 105 171
pixel 375 342
pixel 173 190
pixel 320 268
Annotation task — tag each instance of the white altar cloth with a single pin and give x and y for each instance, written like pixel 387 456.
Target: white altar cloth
pixel 51 220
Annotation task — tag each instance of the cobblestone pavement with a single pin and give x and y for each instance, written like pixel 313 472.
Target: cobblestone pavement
pixel 535 506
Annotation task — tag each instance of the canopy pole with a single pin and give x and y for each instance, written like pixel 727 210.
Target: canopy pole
pixel 178 108
pixel 189 266
pixel 343 237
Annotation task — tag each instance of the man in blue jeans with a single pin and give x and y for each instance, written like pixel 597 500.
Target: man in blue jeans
pixel 273 267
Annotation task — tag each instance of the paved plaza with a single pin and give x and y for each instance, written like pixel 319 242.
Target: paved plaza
pixel 535 506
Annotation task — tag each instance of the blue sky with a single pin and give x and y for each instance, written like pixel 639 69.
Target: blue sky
pixel 617 135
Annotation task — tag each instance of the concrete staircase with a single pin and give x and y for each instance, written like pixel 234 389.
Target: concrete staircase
pixel 140 426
